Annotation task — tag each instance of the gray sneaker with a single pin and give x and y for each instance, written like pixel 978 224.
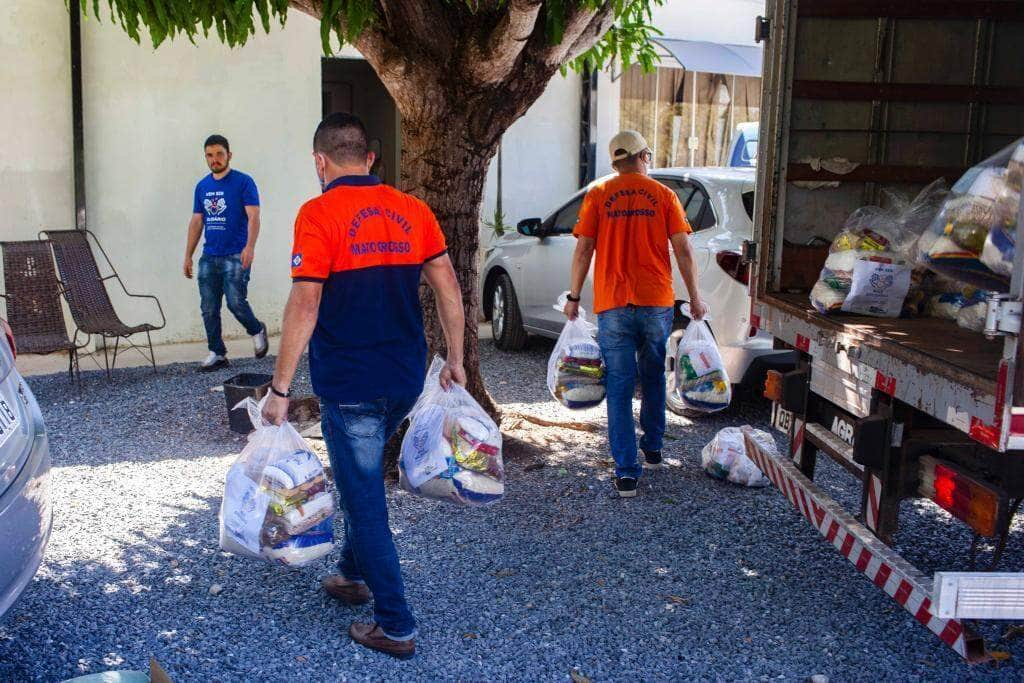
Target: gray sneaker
pixel 213 362
pixel 260 345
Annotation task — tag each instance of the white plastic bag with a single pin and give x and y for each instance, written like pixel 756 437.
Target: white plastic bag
pixel 576 369
pixel 878 288
pixel 276 505
pixel 701 380
pixel 725 457
pixel 452 450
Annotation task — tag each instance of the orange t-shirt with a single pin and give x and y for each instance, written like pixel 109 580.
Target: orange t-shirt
pixel 631 217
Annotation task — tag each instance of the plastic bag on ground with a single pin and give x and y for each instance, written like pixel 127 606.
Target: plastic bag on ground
pixel 576 370
pixel 725 457
pixel 452 449
pixel 702 383
pixel 973 238
pixel 276 505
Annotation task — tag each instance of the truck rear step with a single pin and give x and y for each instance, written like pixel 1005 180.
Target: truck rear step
pixel 883 566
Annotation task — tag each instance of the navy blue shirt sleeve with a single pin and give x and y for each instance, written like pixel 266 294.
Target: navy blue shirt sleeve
pixel 197 203
pixel 250 195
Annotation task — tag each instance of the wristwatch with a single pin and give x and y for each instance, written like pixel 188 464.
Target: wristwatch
pixel 574 299
pixel 282 394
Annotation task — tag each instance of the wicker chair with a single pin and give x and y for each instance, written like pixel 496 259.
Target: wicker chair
pixel 86 294
pixel 32 294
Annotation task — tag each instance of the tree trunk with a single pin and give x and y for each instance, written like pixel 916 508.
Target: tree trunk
pixel 445 169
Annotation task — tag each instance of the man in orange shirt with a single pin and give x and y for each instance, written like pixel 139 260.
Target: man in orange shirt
pixel 628 220
pixel 360 250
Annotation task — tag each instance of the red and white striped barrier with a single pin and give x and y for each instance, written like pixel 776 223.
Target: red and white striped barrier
pixel 881 564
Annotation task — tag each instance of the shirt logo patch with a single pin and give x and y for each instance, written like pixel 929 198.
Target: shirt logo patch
pixel 215 206
pixel 296 260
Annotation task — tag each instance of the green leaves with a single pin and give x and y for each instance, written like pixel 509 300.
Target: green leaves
pixel 628 40
pixel 235 21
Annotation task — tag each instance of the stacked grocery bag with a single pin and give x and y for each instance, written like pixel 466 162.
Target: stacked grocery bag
pixel 576 370
pixel 452 449
pixel 701 382
pixel 869 269
pixel 972 239
pixel 941 256
pixel 276 505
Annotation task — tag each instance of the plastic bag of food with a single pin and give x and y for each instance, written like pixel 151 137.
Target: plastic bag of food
pixel 576 369
pixel 276 505
pixel 702 383
pixel 972 315
pixel 878 287
pixel 973 238
pixel 452 449
pixel 725 457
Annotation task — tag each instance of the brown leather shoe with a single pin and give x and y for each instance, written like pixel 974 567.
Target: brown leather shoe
pixel 349 592
pixel 371 636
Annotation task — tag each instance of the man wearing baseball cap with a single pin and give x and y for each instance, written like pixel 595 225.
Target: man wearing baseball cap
pixel 627 221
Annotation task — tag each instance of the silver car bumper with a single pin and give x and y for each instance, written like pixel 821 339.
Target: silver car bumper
pixel 26 518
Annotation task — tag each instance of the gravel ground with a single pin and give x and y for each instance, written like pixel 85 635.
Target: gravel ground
pixel 694 579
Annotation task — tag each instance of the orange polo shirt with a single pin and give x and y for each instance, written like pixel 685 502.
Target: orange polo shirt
pixel 631 217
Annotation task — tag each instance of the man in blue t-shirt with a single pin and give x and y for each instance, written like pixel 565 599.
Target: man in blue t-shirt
pixel 226 211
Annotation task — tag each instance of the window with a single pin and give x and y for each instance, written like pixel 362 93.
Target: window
pixel 565 218
pixel 748 203
pixel 695 202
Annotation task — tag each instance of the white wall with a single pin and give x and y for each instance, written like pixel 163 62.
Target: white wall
pixel 146 115
pixel 716 21
pixel 36 187
pixel 540 154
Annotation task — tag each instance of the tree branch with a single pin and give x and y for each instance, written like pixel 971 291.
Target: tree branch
pixel 492 60
pixel 583 28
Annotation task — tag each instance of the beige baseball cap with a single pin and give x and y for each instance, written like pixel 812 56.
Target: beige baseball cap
pixel 628 140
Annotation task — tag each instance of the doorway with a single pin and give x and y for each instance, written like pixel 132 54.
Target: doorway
pixel 351 85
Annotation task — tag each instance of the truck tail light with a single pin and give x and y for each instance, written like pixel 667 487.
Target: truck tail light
pixel 978 505
pixel 732 263
pixel 10 337
pixel 773 386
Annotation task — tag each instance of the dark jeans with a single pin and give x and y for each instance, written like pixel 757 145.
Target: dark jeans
pixel 632 341
pixel 223 276
pixel 355 435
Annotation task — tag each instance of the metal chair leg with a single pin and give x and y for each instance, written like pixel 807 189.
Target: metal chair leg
pixel 152 356
pixel 117 343
pixel 106 360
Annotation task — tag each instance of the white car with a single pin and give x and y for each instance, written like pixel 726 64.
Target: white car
pixel 25 511
pixel 524 273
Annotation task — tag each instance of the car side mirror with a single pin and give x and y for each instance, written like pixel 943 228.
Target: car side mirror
pixel 531 227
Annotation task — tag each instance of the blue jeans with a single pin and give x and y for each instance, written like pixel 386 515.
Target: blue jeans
pixel 223 276
pixel 632 341
pixel 355 435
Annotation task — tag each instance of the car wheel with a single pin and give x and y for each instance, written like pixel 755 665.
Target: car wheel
pixel 506 318
pixel 672 400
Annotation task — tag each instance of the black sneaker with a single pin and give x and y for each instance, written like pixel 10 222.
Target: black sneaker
pixel 625 486
pixel 652 459
pixel 213 362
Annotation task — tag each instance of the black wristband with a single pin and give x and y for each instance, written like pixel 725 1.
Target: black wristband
pixel 282 394
pixel 574 299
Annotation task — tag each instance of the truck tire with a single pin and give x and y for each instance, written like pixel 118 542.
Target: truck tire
pixel 506 318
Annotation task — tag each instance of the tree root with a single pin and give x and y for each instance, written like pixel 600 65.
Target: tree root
pixel 577 426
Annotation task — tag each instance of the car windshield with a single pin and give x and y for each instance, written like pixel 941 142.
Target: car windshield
pixel 748 203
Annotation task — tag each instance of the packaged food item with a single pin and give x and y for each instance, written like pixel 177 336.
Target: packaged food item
pixel 972 239
pixel 972 316
pixel 452 449
pixel 725 457
pixel 702 383
pixel 576 370
pixel 276 505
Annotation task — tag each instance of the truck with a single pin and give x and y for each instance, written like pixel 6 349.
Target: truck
pixel 897 95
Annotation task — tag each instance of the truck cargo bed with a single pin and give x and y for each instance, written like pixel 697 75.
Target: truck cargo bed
pixel 938 346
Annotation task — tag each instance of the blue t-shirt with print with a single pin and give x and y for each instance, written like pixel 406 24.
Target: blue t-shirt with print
pixel 222 203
